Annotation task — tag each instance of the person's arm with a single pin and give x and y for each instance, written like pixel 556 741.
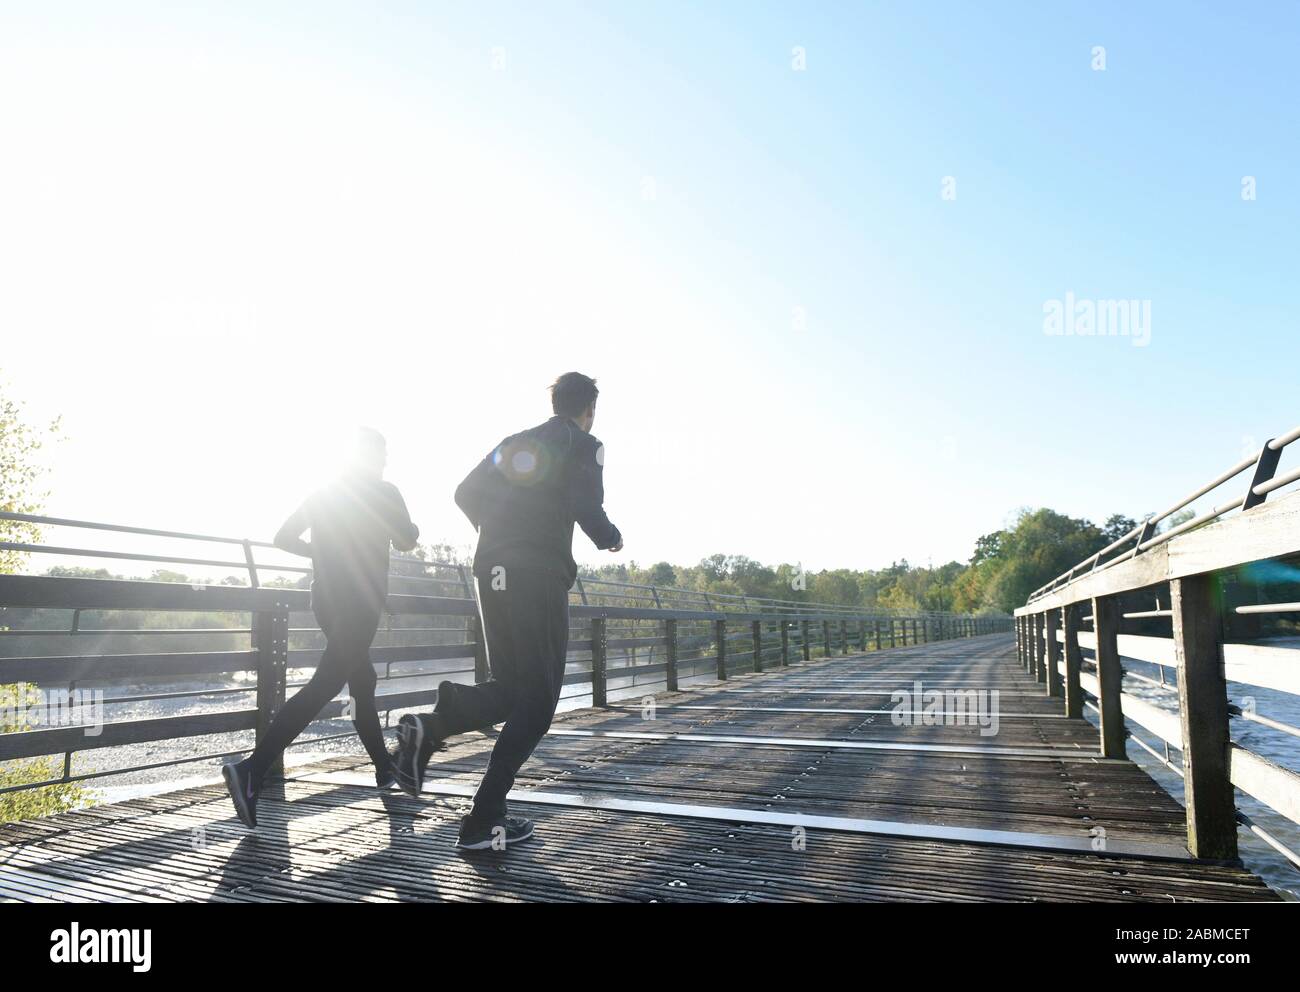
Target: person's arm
pixel 587 497
pixel 289 536
pixel 474 492
pixel 402 532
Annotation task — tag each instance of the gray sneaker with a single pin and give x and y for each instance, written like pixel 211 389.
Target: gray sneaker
pixel 494 834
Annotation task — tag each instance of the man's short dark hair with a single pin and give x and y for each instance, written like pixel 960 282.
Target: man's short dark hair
pixel 572 393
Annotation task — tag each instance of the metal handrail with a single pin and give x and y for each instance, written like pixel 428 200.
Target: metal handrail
pixel 1263 482
pixel 738 602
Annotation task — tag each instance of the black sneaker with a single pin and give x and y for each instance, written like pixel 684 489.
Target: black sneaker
pixel 239 781
pixel 494 834
pixel 417 739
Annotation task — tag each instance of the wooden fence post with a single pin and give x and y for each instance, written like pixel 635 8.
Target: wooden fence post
pixel 721 627
pixel 670 634
pixel 1073 661
pixel 270 636
pixel 599 646
pixel 475 632
pixel 875 629
pixel 785 641
pixel 757 629
pixel 807 648
pixel 1203 711
pixel 1105 622
pixel 1053 654
pixel 844 637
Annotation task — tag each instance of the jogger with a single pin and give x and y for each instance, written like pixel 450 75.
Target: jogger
pixel 353 521
pixel 524 499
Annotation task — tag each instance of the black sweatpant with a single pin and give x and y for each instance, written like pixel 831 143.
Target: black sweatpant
pixel 346 660
pixel 526 628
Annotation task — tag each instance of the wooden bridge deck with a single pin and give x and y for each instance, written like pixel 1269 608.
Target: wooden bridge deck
pixel 707 801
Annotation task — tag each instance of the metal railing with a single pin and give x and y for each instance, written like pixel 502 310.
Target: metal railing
pixel 1075 633
pixel 1143 536
pixel 228 649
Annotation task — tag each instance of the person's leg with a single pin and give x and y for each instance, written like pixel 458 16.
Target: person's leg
pixel 294 716
pixel 462 708
pixel 357 638
pixel 536 616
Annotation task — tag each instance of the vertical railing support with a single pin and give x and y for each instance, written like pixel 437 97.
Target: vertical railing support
pixel 785 641
pixel 1073 661
pixel 474 630
pixel 670 641
pixel 826 638
pixel 807 648
pixel 1105 622
pixel 721 627
pixel 875 629
pixel 758 645
pixel 270 635
pixel 1053 654
pixel 1203 710
pixel 599 648
pixel 1040 648
pixel 844 637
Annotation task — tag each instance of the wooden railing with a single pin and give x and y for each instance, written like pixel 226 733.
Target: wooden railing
pixel 1177 601
pixel 625 640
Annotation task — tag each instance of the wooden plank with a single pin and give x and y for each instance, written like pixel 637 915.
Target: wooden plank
pixel 1263 665
pixel 1274 786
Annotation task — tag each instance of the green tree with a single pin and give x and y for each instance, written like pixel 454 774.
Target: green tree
pixel 20 492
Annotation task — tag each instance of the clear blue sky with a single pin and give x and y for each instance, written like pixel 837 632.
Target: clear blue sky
pixel 453 202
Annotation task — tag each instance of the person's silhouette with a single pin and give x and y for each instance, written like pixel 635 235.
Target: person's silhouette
pixel 353 520
pixel 524 499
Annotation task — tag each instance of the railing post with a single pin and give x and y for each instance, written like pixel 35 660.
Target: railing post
pixel 807 648
pixel 1020 642
pixel 670 638
pixel 1073 661
pixel 893 636
pixel 1203 710
pixel 271 643
pixel 758 645
pixel 925 631
pixel 475 631
pixel 721 627
pixel 1040 648
pixel 844 637
pixel 1105 624
pixel 1053 653
pixel 599 645
pixel 875 629
pixel 785 641
pixel 826 638
pixel 862 636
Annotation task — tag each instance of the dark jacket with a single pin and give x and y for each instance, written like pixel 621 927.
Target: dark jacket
pixel 526 495
pixel 353 520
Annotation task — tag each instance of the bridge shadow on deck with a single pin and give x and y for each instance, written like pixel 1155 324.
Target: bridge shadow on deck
pixel 694 805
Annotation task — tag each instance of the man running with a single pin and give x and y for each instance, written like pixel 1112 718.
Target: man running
pixel 352 520
pixel 523 498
